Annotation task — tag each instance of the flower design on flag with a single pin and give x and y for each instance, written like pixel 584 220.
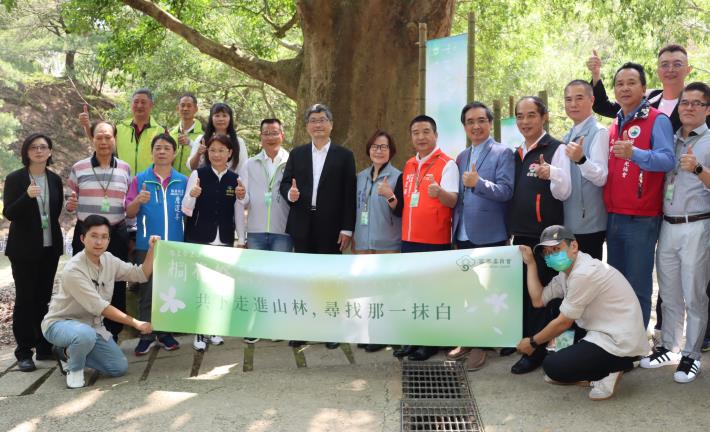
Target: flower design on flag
pixel 498 302
pixel 171 303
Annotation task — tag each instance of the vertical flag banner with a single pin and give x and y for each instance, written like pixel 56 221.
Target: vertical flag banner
pixel 509 133
pixel 467 297
pixel 446 89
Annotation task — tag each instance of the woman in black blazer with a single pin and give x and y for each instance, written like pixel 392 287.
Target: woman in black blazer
pixel 32 202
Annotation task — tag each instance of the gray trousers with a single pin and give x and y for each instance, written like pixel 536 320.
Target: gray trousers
pixel 683 268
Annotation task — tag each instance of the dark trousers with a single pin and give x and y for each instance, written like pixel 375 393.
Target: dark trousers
pixel 409 247
pixel 584 361
pixel 592 244
pixel 118 246
pixel 534 319
pixel 34 281
pixel 468 245
pixel 315 243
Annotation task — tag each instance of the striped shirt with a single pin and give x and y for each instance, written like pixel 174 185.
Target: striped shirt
pixel 93 185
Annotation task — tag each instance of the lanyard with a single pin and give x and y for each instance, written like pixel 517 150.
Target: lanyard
pixel 43 197
pixel 108 183
pixel 428 167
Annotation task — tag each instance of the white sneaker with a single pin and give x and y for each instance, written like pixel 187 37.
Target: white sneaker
pixel 251 340
pixel 688 369
pixel 216 340
pixel 605 387
pixel 199 343
pixel 660 357
pixel 75 379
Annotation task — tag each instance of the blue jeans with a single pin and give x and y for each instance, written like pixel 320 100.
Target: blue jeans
pixel 270 242
pixel 631 246
pixel 86 348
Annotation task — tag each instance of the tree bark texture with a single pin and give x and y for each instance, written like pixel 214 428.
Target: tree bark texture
pixel 359 57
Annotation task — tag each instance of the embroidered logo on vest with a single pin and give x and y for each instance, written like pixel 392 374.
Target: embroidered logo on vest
pixel 634 131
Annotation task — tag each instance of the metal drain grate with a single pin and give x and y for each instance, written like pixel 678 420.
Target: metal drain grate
pixel 440 415
pixel 434 380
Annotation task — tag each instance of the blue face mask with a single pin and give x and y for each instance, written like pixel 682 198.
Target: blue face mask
pixel 558 261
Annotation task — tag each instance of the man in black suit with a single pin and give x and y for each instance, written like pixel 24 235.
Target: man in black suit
pixel 319 184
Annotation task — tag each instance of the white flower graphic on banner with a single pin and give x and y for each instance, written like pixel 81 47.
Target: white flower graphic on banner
pixel 498 302
pixel 171 303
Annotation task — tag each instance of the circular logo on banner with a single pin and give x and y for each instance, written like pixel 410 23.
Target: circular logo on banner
pixel 634 131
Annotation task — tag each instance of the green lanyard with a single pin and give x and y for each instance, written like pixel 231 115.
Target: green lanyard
pixel 270 187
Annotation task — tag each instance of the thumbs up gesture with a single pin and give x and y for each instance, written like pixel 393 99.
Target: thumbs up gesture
pixel 470 178
pixel 434 188
pixel 202 148
pixel 293 193
pixel 183 139
pixel 72 202
pixel 574 150
pixel 144 196
pixel 240 190
pixel 543 169
pixel 384 189
pixel 84 117
pixel 624 148
pixel 33 190
pixel 594 64
pixel 688 161
pixel 196 190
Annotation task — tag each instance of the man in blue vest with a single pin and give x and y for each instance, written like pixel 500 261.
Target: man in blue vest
pixel 154 198
pixel 588 150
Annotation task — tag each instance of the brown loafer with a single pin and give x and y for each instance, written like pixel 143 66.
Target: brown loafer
pixel 475 360
pixel 457 353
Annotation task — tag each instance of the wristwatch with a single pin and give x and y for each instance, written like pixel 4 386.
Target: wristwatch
pixel 533 343
pixel 581 161
pixel 698 169
pixel 391 199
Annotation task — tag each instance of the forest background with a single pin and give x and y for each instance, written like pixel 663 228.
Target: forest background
pixel 272 58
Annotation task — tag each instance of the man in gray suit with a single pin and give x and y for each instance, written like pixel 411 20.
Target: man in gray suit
pixel 487 185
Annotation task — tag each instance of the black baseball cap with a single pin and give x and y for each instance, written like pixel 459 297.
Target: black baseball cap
pixel 554 235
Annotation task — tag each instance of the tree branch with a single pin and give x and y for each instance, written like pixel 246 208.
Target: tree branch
pixel 282 74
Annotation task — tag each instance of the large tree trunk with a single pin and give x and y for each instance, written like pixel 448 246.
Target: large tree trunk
pixel 361 59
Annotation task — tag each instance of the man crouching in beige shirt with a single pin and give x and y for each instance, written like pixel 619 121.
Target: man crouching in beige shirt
pixel 74 322
pixel 600 301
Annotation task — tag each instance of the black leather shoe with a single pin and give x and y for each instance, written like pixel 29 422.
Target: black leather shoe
pixel 404 351
pixel 332 345
pixel 504 352
pixel 373 347
pixel 527 364
pixel 422 353
pixel 296 343
pixel 26 365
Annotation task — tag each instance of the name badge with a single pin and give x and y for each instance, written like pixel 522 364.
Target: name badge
pixel 267 198
pixel 105 205
pixel 45 221
pixel 669 192
pixel 364 218
pixel 414 200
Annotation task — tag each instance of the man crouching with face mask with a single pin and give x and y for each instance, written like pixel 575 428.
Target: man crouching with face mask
pixel 599 300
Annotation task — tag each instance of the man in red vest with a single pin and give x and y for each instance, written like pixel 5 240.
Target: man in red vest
pixel 426 194
pixel 640 153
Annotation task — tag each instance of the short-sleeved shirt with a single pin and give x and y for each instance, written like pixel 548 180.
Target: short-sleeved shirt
pixel 601 301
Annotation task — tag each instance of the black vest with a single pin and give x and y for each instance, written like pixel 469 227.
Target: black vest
pixel 533 208
pixel 214 208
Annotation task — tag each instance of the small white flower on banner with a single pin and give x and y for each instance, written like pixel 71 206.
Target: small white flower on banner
pixel 497 301
pixel 497 330
pixel 171 303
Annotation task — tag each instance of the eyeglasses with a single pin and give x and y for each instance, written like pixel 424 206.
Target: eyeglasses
pixel 318 120
pixel 269 134
pixel 685 103
pixel 666 66
pixel 380 147
pixel 39 148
